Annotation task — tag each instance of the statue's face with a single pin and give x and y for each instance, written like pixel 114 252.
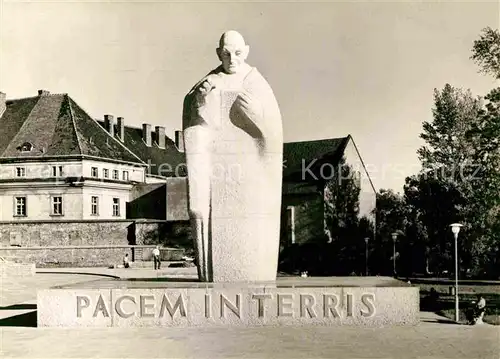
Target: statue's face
pixel 232 55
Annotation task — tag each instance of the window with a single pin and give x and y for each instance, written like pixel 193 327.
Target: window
pixel 116 207
pixel 20 172
pixel 125 175
pixel 26 147
pixel 20 204
pixel 94 206
pixel 105 173
pixel 115 174
pixel 94 172
pixel 57 171
pixel 57 208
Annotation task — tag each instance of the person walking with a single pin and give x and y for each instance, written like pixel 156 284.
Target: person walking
pixel 126 263
pixel 156 257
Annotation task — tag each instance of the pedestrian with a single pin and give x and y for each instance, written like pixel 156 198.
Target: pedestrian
pixel 126 263
pixel 156 257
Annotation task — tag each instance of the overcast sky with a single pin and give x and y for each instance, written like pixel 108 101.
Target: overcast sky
pixel 362 68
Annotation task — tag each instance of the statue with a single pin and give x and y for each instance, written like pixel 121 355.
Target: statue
pixel 233 140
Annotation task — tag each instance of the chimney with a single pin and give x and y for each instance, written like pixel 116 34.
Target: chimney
pixel 43 92
pixel 146 134
pixel 109 124
pixel 179 141
pixel 160 136
pixel 121 129
pixel 3 105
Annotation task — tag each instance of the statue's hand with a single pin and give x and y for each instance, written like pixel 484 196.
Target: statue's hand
pixel 202 92
pixel 250 107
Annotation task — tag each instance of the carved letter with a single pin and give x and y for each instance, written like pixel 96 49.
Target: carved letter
pixel 101 307
pixel 349 305
pixel 282 305
pixel 307 302
pixel 80 305
pixel 225 302
pixel 118 307
pixel 143 306
pixel 260 300
pixel 368 300
pixel 330 303
pixel 179 304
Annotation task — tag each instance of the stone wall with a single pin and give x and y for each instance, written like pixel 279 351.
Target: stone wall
pixel 34 241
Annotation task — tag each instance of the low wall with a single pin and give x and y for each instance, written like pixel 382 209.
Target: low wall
pixel 82 243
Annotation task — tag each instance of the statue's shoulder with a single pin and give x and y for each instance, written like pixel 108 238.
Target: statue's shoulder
pixel 256 80
pixel 214 73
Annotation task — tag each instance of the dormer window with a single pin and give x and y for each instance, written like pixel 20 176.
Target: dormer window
pixel 26 147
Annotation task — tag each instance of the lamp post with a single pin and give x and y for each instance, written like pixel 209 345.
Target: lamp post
pixel 455 228
pixel 394 237
pixel 366 256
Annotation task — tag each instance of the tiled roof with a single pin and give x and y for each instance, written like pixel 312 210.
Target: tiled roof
pixel 167 162
pixel 16 113
pixel 299 155
pixel 56 126
pixel 164 161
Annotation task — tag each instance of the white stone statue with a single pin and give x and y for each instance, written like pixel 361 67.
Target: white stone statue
pixel 233 138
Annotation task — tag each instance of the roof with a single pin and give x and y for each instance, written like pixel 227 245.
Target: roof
pixel 166 162
pixel 55 125
pixel 298 156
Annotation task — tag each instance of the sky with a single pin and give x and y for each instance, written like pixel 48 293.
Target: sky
pixel 367 69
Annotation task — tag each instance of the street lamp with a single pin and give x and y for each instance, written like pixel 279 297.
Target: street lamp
pixel 455 228
pixel 366 256
pixel 394 237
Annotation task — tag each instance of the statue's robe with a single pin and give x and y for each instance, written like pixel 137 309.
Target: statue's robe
pixel 234 162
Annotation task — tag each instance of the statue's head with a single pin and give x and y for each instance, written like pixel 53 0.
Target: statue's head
pixel 232 51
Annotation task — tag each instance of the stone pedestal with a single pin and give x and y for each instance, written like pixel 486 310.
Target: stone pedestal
pixel 288 301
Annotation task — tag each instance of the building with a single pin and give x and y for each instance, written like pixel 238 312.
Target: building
pixel 309 166
pixel 58 163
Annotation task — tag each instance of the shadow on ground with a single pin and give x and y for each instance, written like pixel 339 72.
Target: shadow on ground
pixel 160 279
pixel 81 273
pixel 19 307
pixel 22 320
pixel 439 321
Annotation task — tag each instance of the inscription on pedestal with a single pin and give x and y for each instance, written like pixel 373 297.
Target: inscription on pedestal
pixel 301 305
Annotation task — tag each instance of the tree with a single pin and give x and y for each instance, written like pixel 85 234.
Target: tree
pixel 447 190
pixel 432 205
pixel 485 251
pixel 391 215
pixel 448 146
pixel 486 52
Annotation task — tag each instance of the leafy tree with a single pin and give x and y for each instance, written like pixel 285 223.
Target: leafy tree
pixel 486 52
pixel 447 189
pixel 391 216
pixel 342 201
pixel 485 251
pixel 432 205
pixel 448 146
